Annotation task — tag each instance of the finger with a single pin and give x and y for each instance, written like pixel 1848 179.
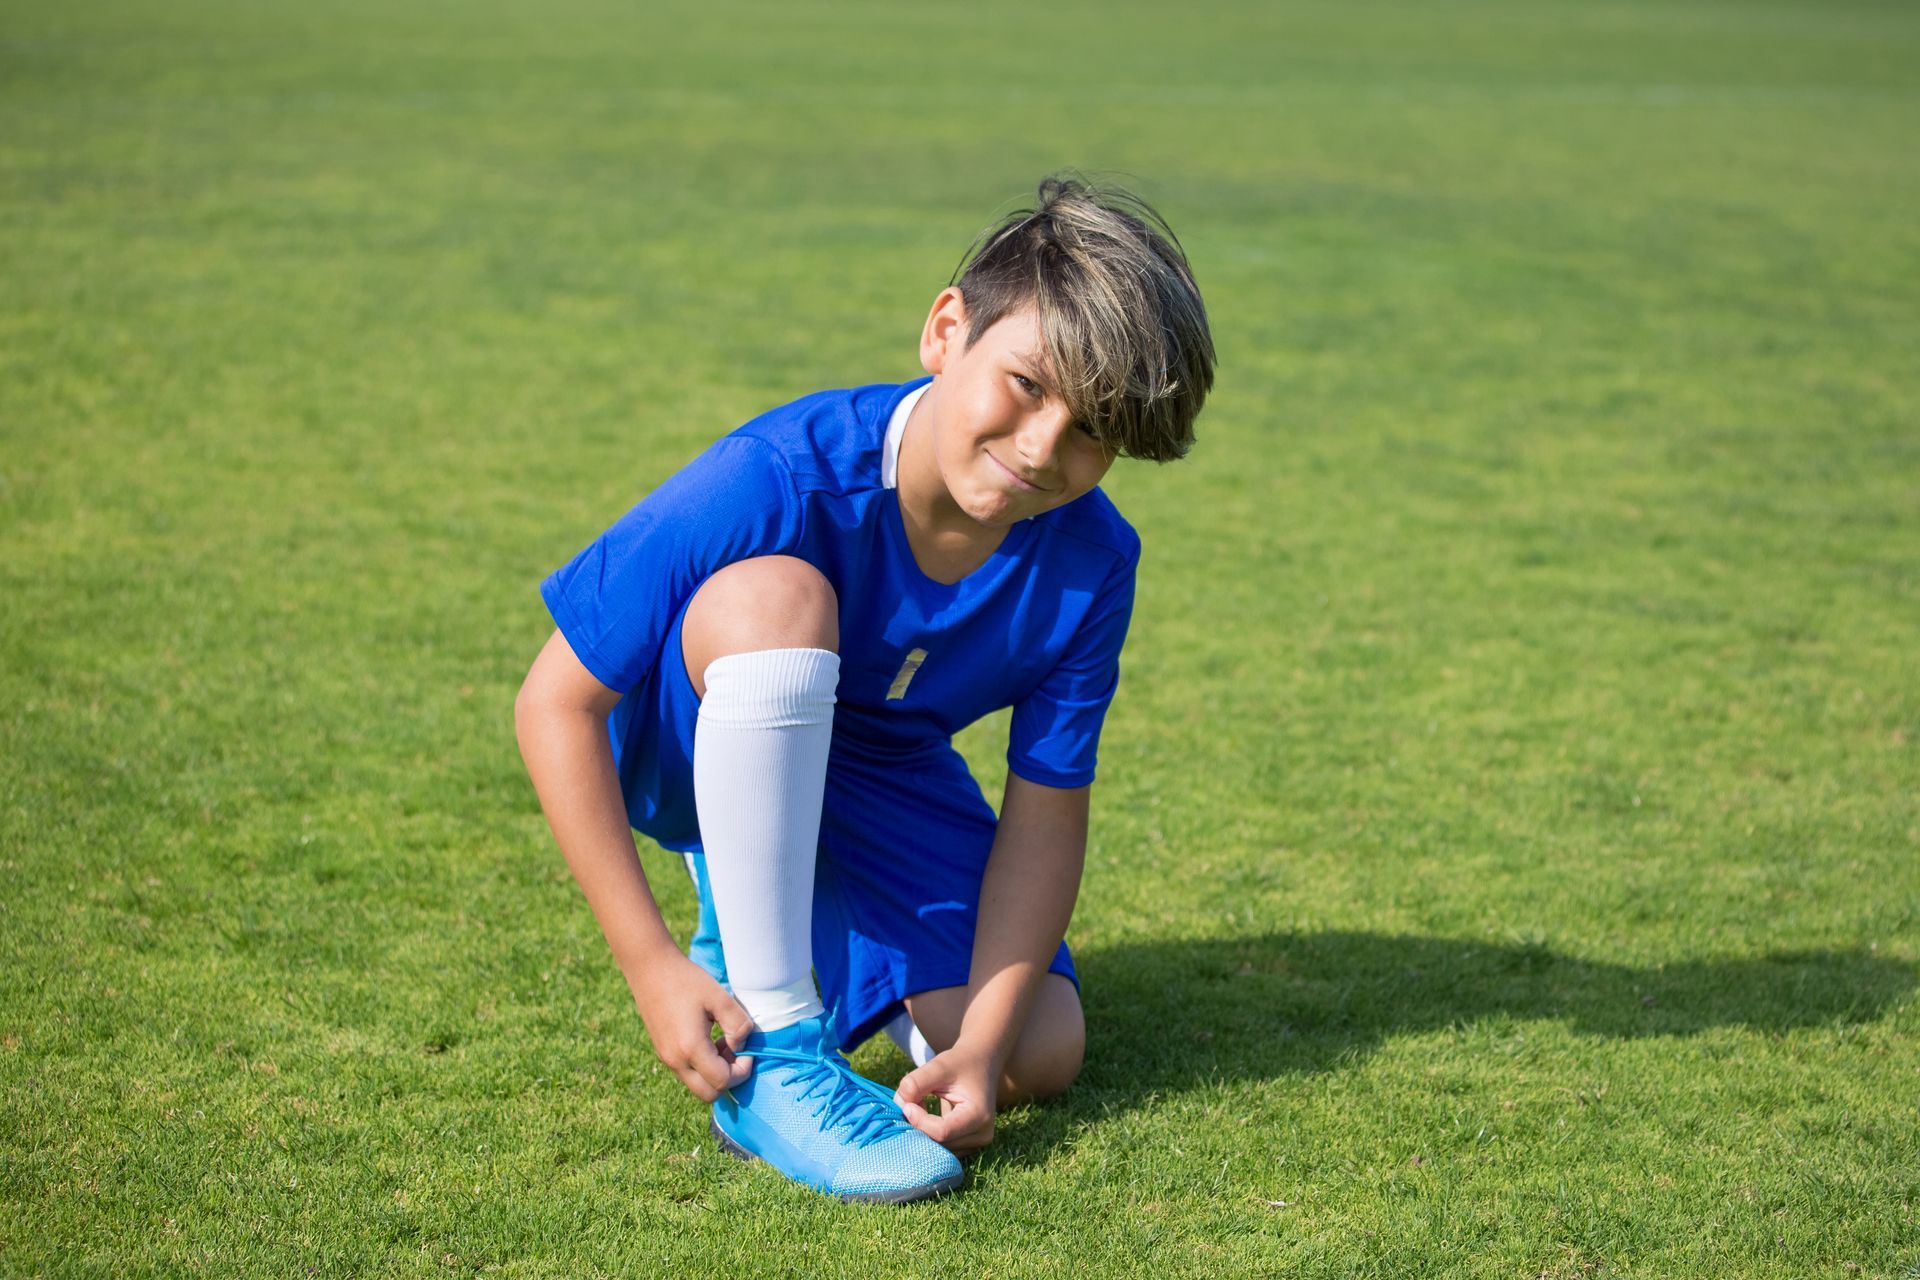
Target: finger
pixel 688 1076
pixel 735 1023
pixel 968 1125
pixel 707 1063
pixel 920 1083
pixel 920 1119
pixel 973 1139
pixel 916 1115
pixel 695 1085
pixel 739 1067
pixel 939 1128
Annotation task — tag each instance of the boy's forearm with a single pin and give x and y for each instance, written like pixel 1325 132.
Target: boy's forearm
pixel 571 764
pixel 1026 899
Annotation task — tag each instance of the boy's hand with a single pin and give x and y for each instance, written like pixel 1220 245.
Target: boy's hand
pixel 965 1081
pixel 681 1004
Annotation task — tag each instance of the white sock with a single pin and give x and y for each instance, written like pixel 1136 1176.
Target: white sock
pixel 904 1033
pixel 759 768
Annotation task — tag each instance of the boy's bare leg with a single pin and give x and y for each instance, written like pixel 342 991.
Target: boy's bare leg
pixel 1047 1056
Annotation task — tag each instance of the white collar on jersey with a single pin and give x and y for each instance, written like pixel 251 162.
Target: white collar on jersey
pixel 896 430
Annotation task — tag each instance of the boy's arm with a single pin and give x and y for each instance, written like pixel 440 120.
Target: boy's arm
pixel 1026 900
pixel 560 718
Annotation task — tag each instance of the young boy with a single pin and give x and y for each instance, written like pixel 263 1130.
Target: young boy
pixel 762 665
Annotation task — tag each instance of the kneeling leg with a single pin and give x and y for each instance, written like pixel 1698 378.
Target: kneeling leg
pixel 1046 1056
pixel 759 641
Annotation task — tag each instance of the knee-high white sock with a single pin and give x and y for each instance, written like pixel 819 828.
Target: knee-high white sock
pixel 759 768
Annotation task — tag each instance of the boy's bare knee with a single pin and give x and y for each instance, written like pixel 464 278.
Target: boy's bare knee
pixel 1047 1058
pixel 1049 1070
pixel 769 602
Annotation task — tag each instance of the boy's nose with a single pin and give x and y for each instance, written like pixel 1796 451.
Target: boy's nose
pixel 1039 440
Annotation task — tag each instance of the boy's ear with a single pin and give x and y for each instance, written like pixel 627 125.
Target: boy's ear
pixel 945 335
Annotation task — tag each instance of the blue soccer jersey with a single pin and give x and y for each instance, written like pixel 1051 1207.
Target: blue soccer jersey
pixel 1038 627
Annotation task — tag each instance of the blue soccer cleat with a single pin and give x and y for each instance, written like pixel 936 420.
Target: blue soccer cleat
pixel 805 1112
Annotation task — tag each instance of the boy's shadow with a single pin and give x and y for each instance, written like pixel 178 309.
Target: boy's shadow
pixel 1165 1016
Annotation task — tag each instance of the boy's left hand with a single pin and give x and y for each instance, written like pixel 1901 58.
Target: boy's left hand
pixel 966 1083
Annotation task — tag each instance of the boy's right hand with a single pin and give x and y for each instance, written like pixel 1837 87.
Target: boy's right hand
pixel 681 1004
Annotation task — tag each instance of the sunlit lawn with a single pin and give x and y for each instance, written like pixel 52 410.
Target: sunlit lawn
pixel 1505 850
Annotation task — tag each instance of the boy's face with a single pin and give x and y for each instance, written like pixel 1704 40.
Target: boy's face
pixel 1004 442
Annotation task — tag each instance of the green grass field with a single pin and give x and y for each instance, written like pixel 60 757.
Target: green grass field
pixel 1505 854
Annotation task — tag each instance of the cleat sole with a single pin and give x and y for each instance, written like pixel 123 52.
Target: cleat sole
pixel 729 1147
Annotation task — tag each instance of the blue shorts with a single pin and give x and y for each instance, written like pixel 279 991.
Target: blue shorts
pixel 903 848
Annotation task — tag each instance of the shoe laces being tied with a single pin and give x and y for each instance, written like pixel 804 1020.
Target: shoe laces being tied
pixel 839 1096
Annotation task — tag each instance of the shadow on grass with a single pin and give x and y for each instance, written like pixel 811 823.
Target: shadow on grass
pixel 1170 1015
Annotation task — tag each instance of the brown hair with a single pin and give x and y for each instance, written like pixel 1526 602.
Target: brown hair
pixel 1120 315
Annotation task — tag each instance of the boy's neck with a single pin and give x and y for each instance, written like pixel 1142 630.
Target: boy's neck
pixel 947 543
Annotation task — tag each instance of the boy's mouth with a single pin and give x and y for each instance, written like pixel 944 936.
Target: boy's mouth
pixel 1015 476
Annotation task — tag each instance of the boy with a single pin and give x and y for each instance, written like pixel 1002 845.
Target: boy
pixel 761 666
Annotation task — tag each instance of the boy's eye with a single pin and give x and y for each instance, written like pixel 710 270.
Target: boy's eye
pixel 1038 392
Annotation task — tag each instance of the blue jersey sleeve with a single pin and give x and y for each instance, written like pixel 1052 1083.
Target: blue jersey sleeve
pixel 617 600
pixel 1056 728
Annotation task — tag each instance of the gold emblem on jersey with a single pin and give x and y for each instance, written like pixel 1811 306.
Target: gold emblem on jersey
pixel 905 678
